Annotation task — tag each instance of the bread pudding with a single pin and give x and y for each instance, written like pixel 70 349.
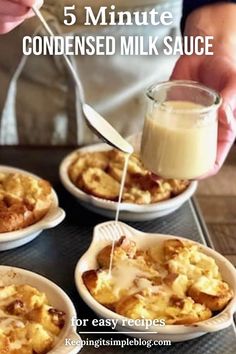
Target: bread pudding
pixel 28 323
pixel 175 282
pixel 100 173
pixel 24 200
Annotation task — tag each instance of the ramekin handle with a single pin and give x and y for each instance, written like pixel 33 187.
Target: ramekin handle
pixel 53 218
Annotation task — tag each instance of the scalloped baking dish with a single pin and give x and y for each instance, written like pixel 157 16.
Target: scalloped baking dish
pixel 57 298
pixel 128 211
pixel 55 215
pixel 103 235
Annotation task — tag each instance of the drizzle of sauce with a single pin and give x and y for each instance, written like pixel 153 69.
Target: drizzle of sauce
pixel 122 185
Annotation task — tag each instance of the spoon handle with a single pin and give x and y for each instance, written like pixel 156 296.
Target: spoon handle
pixel 100 126
pixel 67 60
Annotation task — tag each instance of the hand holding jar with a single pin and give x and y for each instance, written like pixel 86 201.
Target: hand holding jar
pixel 180 131
pixel 217 71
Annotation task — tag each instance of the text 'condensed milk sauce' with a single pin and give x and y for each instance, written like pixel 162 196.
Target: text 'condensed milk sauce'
pixel 179 145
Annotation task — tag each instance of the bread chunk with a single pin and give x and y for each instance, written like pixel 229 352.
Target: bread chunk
pixel 100 288
pixel 140 187
pixel 28 324
pixel 85 160
pixel 100 184
pixel 123 249
pixel 24 200
pixel 213 293
pixel 172 280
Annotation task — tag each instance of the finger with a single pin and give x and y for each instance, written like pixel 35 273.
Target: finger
pixel 229 100
pixel 180 71
pixel 8 26
pixel 38 4
pixel 227 121
pixel 226 134
pixel 26 3
pixel 13 13
pixel 11 9
pixel 186 68
pixel 226 138
pixel 10 19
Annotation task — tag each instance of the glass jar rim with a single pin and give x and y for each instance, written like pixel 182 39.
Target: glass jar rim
pixel 217 99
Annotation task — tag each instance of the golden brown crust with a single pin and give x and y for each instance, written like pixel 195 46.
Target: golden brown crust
pixel 177 186
pixel 100 184
pixel 172 247
pixel 24 200
pixel 52 319
pixel 90 279
pixel 11 220
pixel 214 302
pixel 123 248
pixel 140 188
pixel 176 282
pixel 103 257
pixel 130 307
pixel 136 307
pixel 100 290
pixel 30 324
pixel 85 160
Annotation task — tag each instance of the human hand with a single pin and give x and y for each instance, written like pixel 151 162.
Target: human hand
pixel 14 12
pixel 217 71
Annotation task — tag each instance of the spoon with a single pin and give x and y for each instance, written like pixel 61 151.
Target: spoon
pixel 95 121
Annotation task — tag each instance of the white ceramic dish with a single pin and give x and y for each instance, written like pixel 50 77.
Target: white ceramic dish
pixel 129 212
pixel 56 296
pixel 103 235
pixel 55 216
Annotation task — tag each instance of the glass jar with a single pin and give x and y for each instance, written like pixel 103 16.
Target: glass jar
pixel 179 138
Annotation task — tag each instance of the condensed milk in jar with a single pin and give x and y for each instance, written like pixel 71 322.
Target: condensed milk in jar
pixel 179 138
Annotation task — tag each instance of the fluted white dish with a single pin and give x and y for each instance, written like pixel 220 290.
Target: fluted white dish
pixel 128 211
pixel 103 235
pixel 55 215
pixel 57 298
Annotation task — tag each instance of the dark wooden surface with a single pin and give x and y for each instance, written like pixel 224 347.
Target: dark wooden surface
pixel 217 200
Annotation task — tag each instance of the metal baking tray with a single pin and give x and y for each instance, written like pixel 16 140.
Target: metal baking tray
pixel 55 253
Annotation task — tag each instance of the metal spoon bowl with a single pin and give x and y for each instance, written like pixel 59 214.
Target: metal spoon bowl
pixel 95 121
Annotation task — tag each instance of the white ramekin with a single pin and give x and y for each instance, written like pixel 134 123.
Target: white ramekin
pixel 129 212
pixel 103 235
pixel 57 298
pixel 55 215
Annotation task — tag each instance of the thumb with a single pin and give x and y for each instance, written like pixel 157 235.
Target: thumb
pixel 227 122
pixel 186 68
pixel 227 128
pixel 180 71
pixel 229 102
pixel 226 134
pixel 37 4
pixel 226 138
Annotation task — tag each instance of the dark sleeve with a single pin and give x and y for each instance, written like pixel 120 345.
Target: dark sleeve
pixel 191 5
